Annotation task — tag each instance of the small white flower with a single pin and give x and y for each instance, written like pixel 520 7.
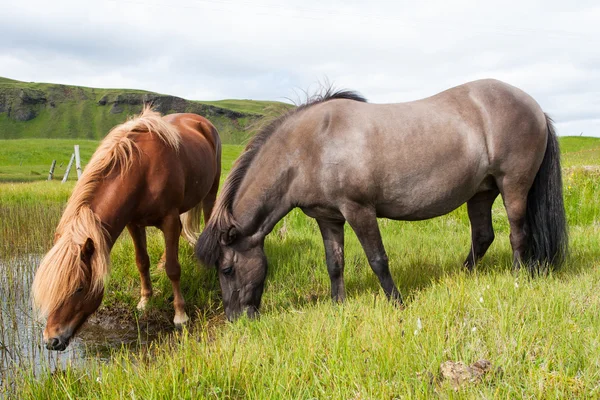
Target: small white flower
pixel 488 286
pixel 481 299
pixel 98 379
pixel 474 329
pixel 419 324
pixel 516 284
pixel 416 332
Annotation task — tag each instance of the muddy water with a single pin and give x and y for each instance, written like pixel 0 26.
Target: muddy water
pixel 21 346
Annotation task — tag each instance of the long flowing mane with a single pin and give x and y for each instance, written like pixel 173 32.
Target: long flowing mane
pixel 207 246
pixel 61 271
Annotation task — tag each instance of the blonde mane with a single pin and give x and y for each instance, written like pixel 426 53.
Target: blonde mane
pixel 61 271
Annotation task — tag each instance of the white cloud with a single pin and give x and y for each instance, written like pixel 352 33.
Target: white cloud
pixel 388 50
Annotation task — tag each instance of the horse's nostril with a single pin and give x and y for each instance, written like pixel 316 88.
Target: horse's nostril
pixel 53 343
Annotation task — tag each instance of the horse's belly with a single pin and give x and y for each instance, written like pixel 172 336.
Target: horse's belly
pixel 417 212
pixel 430 199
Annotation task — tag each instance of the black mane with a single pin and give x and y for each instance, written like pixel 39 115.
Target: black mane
pixel 207 247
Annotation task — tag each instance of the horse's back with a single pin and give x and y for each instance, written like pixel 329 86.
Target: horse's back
pixel 194 124
pixel 182 177
pixel 424 158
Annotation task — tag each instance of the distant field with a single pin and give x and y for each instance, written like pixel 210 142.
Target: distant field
pixel 25 160
pixel 577 150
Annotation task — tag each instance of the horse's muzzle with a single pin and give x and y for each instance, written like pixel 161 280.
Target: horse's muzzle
pixel 57 343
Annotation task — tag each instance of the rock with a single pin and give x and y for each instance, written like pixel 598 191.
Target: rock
pixel 459 374
pixel 116 108
pixel 167 105
pixel 32 96
pixel 132 99
pixel 23 114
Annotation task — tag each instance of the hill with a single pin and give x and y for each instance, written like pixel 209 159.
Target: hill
pixel 45 110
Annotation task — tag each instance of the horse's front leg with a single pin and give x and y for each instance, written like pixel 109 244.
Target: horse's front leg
pixel 333 239
pixel 138 234
pixel 171 227
pixel 363 221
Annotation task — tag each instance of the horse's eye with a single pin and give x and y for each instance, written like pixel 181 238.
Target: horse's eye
pixel 79 289
pixel 227 271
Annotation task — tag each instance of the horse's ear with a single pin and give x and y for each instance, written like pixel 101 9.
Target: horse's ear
pixel 87 250
pixel 228 236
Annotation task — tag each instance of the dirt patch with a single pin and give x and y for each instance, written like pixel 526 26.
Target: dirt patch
pixel 460 374
pixel 112 327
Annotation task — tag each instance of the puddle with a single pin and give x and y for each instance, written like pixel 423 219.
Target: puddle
pixel 21 345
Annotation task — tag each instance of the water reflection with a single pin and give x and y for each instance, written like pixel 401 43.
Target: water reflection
pixel 21 345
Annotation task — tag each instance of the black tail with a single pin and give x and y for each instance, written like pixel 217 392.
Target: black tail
pixel 545 218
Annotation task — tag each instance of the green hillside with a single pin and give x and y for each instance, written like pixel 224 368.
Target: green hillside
pixel 44 110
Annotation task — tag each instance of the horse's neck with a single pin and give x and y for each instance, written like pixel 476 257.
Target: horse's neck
pixel 262 200
pixel 114 204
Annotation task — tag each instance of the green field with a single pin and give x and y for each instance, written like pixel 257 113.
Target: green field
pixel 26 160
pixel 541 335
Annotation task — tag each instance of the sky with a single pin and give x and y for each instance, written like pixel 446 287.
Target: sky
pixel 389 51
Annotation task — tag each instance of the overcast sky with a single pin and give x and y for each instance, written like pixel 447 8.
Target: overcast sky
pixel 390 51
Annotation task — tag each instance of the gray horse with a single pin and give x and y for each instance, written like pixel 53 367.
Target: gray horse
pixel 341 159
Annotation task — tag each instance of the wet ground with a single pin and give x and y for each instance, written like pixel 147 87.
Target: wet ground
pixel 21 344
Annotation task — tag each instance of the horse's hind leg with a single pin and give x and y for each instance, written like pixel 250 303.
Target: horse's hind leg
pixel 363 221
pixel 171 227
pixel 138 234
pixel 515 202
pixel 209 200
pixel 333 239
pixel 479 208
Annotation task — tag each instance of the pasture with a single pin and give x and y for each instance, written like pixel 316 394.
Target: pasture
pixel 540 335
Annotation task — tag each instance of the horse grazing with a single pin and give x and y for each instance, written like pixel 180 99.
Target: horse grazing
pixel 149 171
pixel 341 159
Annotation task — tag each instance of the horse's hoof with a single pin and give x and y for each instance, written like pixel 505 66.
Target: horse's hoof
pixel 180 320
pixel 142 304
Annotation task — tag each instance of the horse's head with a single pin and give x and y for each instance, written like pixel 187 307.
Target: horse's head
pixel 242 267
pixel 66 291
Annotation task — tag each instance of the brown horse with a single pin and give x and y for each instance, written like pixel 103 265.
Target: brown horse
pixel 146 172
pixel 341 159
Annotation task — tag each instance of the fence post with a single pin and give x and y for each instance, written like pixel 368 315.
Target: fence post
pixel 77 161
pixel 52 170
pixel 68 168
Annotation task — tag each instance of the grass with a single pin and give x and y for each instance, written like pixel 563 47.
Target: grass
pixel 25 160
pixel 580 151
pixel 539 334
pixel 30 159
